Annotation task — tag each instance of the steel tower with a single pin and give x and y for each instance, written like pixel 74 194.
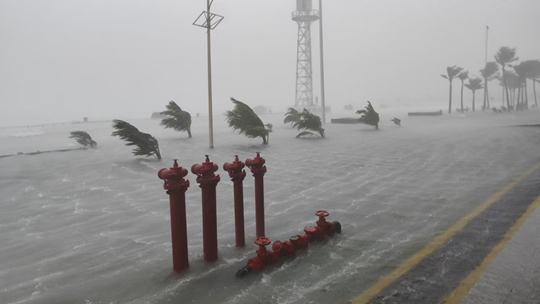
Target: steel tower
pixel 304 16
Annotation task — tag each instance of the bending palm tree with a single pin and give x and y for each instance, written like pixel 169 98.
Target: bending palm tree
pixel 369 116
pixel 489 72
pixel 462 76
pixel 146 144
pixel 534 75
pixel 308 121
pixel 532 70
pixel 292 116
pixel 176 118
pixel 522 72
pixel 504 56
pixel 511 82
pixel 243 119
pixel 452 72
pixel 83 138
pixel 473 85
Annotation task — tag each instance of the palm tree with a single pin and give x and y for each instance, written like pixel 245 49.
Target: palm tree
pixel 452 72
pixel 83 138
pixel 176 118
pixel 369 116
pixel 504 56
pixel 462 76
pixel 309 121
pixel 489 72
pixel 291 116
pixel 473 85
pixel 512 82
pixel 243 119
pixel 534 73
pixel 146 144
pixel 521 71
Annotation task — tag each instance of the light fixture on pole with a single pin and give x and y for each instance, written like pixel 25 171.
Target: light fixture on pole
pixel 209 21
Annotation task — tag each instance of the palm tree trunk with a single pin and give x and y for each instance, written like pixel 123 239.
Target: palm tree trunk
pixel 534 89
pixel 486 96
pixel 450 101
pixel 487 91
pixel 507 94
pixel 526 95
pixel 518 105
pixel 462 96
pixel 189 132
pixel 473 94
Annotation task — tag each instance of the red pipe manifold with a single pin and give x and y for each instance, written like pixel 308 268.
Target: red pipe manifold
pixel 288 248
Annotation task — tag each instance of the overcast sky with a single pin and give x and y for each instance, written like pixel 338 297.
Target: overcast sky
pixel 62 60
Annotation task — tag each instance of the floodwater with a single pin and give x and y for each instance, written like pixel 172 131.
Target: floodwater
pixel 93 226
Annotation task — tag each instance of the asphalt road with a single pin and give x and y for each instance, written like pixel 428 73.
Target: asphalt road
pixel 445 270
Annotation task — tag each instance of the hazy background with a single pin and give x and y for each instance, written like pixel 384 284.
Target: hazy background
pixel 61 60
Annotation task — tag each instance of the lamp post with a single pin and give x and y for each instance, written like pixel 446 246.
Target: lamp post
pixel 209 21
pixel 487 30
pixel 322 62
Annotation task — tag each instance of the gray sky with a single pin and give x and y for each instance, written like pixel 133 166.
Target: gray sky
pixel 61 60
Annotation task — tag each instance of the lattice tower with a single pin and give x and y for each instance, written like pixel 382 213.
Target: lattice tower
pixel 304 16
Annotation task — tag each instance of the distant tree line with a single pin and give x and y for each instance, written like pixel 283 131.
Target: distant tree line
pixel 510 81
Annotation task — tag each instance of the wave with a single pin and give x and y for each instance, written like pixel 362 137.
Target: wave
pixel 26 134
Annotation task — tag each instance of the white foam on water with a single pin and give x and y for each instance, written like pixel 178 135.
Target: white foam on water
pixel 102 214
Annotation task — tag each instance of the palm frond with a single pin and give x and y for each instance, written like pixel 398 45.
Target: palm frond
pixel 474 84
pixel 291 116
pixel 176 119
pixel 305 133
pixel 489 70
pixel 146 144
pixel 452 72
pixel 244 120
pixel 506 55
pixel 83 138
pixel 309 121
pixel 369 116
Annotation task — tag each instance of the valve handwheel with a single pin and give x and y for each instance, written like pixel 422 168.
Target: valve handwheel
pixel 322 213
pixel 262 241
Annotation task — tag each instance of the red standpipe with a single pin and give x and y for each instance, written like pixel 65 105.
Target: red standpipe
pixel 208 182
pixel 258 169
pixel 288 248
pixel 176 187
pixel 237 174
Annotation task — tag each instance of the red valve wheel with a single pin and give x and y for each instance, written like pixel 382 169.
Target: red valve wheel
pixel 322 213
pixel 262 241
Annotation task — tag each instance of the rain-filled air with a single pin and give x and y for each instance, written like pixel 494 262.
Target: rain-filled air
pixel 290 151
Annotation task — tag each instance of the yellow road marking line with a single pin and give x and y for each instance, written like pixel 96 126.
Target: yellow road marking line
pixel 463 289
pixel 386 280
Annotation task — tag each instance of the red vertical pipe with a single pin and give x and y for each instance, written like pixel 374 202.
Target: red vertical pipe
pixel 179 230
pixel 237 174
pixel 176 187
pixel 239 212
pixel 209 214
pixel 208 182
pixel 258 169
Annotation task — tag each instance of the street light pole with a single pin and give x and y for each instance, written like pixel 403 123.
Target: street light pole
pixel 209 21
pixel 209 53
pixel 487 30
pixel 322 62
